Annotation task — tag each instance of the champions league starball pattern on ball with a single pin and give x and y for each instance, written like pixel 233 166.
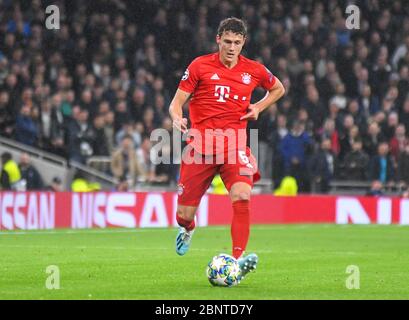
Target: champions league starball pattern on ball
pixel 223 271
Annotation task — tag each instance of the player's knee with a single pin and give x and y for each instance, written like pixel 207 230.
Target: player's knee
pixel 181 213
pixel 240 195
pixel 187 213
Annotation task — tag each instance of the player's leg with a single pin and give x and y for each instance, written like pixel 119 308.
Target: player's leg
pixel 240 228
pixel 195 179
pixel 185 217
pixel 238 178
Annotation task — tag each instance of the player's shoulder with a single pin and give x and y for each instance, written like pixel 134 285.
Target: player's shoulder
pixel 246 60
pixel 254 64
pixel 205 58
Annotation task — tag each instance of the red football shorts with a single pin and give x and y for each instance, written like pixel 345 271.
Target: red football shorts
pixel 197 172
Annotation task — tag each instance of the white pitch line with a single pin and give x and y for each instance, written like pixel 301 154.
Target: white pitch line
pixel 137 230
pixel 95 231
pixel 292 252
pixel 109 248
pixel 79 247
pixel 79 231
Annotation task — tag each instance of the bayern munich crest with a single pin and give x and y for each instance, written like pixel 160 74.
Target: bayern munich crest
pixel 180 189
pixel 246 78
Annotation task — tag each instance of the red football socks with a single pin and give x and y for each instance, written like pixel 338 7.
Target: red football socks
pixel 188 225
pixel 240 227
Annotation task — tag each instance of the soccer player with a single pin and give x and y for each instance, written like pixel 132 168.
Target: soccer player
pixel 219 86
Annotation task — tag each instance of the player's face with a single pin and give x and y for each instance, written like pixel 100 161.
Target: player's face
pixel 230 46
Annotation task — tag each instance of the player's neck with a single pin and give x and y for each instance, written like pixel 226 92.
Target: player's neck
pixel 228 64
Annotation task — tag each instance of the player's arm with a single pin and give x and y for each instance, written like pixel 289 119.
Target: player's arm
pixel 271 97
pixel 176 111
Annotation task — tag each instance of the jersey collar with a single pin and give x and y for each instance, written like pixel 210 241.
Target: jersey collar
pixel 222 65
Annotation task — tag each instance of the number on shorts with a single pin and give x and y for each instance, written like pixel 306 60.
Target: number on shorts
pixel 245 159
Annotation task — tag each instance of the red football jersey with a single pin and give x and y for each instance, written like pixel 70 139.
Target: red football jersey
pixel 221 96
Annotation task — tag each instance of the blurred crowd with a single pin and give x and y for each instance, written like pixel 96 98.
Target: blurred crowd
pixel 103 82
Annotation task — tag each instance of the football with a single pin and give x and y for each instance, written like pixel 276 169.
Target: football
pixel 223 271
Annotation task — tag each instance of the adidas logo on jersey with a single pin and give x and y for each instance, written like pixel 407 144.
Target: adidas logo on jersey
pixel 215 77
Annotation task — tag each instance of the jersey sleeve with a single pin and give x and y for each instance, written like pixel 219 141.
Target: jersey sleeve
pixel 267 79
pixel 191 77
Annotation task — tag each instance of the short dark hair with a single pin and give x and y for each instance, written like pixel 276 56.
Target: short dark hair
pixel 6 156
pixel 56 180
pixel 234 25
pixel 127 136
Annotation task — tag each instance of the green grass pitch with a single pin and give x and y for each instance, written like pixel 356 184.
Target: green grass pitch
pixel 296 262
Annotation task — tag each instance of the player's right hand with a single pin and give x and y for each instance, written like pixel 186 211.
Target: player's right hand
pixel 180 124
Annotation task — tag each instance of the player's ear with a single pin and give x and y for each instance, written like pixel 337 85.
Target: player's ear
pixel 218 39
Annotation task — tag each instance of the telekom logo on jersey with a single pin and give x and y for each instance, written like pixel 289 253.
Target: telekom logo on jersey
pixel 223 92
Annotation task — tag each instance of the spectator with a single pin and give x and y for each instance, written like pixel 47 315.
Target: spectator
pixel 404 117
pixel 10 178
pixel 288 187
pixel 403 166
pixel 336 116
pixel 400 52
pixel 109 130
pixel 125 163
pixel 354 111
pixel 128 129
pixel 26 129
pixel 398 141
pixel 376 189
pixel 372 138
pixel 347 141
pixel 381 165
pixel 115 62
pixel 391 125
pixel 314 107
pixel 122 185
pixel 30 174
pixel 55 186
pixel 146 161
pixel 380 72
pixel 277 136
pixel 80 137
pixel 339 98
pixel 137 105
pixel 266 126
pixel 356 163
pixel 165 172
pixel 51 127
pixel 295 66
pixel 100 143
pixel 81 184
pixel 218 186
pixel 6 119
pixel 368 103
pixel 294 148
pixel 122 115
pixel 403 84
pixel 329 132
pixel 322 167
pixel 148 121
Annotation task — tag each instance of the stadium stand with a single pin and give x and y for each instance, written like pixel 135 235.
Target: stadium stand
pixel 112 67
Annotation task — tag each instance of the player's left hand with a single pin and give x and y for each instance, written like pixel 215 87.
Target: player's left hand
pixel 252 113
